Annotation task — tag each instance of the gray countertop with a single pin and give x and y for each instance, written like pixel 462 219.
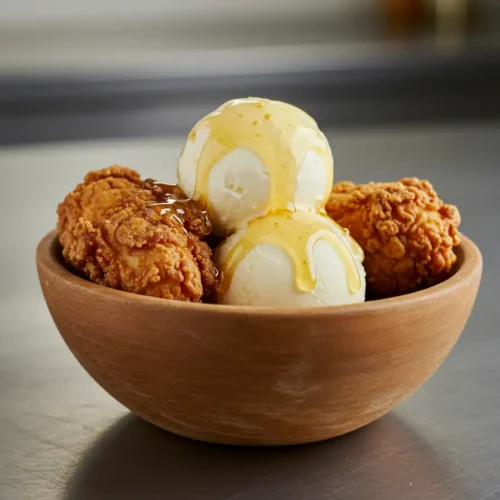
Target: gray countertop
pixel 61 436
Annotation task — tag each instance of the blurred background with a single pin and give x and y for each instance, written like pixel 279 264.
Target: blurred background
pixel 400 88
pixel 80 70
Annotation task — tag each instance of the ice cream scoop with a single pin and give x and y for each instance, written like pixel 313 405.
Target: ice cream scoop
pixel 251 157
pixel 291 259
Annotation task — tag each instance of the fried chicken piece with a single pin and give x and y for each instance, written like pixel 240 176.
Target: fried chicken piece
pixel 110 232
pixel 404 228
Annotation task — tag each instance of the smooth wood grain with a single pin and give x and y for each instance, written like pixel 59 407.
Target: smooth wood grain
pixel 258 376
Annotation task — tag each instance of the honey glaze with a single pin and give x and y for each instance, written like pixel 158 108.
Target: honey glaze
pixel 171 200
pixel 278 133
pixel 292 232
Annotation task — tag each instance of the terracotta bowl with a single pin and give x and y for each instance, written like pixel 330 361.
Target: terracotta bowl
pixel 258 376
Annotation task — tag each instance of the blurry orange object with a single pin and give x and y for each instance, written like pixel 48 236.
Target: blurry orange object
pixel 404 16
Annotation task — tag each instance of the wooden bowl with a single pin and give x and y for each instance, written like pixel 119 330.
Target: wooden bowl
pixel 258 376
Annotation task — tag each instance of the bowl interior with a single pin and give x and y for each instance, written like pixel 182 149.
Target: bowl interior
pixel 468 259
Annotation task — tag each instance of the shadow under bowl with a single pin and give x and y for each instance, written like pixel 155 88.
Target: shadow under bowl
pixel 258 376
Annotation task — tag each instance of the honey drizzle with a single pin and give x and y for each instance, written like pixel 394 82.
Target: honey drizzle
pixel 292 233
pixel 278 133
pixel 172 201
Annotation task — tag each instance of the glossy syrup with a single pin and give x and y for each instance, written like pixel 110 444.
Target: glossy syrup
pixel 280 135
pixel 296 234
pixel 171 200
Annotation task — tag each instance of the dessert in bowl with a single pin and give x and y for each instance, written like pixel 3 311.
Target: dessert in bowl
pixel 261 334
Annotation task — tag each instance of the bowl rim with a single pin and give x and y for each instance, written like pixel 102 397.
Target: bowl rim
pixel 471 264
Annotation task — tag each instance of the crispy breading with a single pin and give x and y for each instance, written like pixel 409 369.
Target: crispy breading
pixel 404 228
pixel 106 233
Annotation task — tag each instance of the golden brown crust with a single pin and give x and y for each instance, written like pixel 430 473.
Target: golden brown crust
pixel 404 228
pixel 106 234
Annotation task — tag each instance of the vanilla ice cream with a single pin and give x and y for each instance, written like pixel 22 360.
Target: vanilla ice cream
pixel 291 259
pixel 252 157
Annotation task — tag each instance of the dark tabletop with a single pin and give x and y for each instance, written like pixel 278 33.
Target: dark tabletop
pixel 62 437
